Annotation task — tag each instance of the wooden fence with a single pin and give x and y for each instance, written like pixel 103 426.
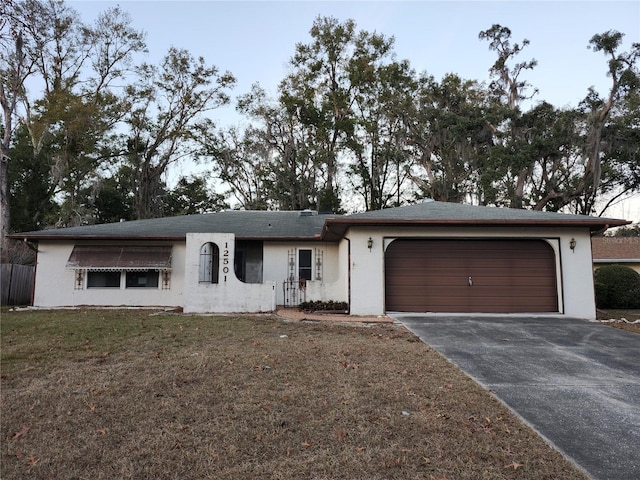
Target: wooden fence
pixel 16 284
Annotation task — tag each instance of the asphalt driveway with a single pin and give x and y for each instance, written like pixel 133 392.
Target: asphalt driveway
pixel 575 382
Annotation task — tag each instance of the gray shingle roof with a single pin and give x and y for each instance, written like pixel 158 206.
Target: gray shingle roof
pixel 309 225
pixel 244 224
pixel 432 210
pixel 444 213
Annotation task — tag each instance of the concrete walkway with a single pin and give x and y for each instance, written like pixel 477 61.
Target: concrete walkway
pixel 577 383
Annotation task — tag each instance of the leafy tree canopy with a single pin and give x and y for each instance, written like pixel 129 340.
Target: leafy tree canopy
pixel 91 135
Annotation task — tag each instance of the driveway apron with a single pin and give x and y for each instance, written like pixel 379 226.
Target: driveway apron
pixel 577 383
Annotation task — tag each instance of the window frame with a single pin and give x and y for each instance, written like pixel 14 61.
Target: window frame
pixel 104 273
pixel 305 271
pixel 154 275
pixel 209 263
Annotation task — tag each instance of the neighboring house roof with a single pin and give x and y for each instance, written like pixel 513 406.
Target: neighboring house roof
pixel 307 225
pixel 615 249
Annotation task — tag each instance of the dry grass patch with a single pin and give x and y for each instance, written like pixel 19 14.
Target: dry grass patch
pixel 620 319
pixel 122 394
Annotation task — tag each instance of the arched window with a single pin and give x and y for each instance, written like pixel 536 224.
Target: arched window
pixel 209 263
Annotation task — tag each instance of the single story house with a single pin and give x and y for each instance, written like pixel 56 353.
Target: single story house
pixel 428 257
pixel 616 250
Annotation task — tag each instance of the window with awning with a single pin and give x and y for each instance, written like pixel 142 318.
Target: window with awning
pixel 125 257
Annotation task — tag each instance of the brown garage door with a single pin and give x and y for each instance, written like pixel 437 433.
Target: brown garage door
pixel 496 276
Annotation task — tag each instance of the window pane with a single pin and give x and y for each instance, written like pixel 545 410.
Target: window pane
pixel 215 263
pixel 103 279
pixel 204 275
pixel 209 263
pixel 239 265
pixel 248 260
pixel 145 279
pixel 304 264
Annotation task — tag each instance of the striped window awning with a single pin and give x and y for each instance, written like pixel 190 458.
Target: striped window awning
pixel 124 257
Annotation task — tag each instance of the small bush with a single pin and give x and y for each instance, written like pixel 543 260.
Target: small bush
pixel 617 286
pixel 319 305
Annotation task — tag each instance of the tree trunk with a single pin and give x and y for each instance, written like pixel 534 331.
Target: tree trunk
pixel 5 216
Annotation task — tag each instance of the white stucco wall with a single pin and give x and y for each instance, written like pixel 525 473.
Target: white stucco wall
pixel 229 294
pixel 350 272
pixel 335 282
pixel 577 275
pixel 55 284
pixel 329 287
pixel 574 275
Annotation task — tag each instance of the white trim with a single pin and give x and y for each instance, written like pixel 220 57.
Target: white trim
pixel 616 260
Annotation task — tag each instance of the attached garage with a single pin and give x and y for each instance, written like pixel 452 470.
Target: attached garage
pixel 473 276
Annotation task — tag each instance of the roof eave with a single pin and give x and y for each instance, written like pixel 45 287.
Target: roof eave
pixel 306 238
pixel 155 238
pixel 335 228
pixel 338 227
pixel 36 237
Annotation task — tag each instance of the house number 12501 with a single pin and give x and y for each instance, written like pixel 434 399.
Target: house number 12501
pixel 225 260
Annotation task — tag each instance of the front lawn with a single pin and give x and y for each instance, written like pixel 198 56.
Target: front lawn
pixel 125 394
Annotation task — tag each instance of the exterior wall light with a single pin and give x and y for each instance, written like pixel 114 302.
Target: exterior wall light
pixel 572 245
pixel 369 243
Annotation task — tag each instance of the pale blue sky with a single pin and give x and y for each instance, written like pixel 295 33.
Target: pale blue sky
pixel 255 39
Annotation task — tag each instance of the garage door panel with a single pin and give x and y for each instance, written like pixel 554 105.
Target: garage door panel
pixel 486 302
pixel 507 275
pixel 458 308
pixel 483 263
pixel 534 278
pixel 463 308
pixel 486 293
pixel 475 273
pixel 520 281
